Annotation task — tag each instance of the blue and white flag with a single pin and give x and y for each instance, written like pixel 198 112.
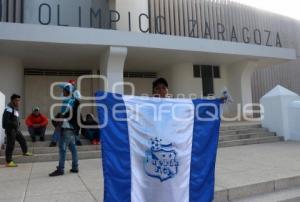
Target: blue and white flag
pixel 158 149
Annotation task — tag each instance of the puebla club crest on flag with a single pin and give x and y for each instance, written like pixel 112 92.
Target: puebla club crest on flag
pixel 158 149
pixel 160 160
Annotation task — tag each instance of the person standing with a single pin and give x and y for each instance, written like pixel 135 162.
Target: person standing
pixel 56 134
pixel 11 125
pixel 37 124
pixel 160 88
pixel 77 96
pixel 68 132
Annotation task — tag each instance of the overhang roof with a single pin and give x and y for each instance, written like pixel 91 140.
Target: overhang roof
pixel 54 46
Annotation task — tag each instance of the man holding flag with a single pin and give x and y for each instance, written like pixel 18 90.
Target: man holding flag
pixel 157 149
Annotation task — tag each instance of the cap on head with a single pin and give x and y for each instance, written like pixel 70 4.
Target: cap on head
pixel 73 82
pixel 35 109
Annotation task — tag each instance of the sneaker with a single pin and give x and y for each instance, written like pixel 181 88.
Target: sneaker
pixel 42 139
pixel 56 173
pixel 33 139
pixel 94 142
pixel 74 170
pixel 52 144
pixel 98 142
pixel 11 164
pixel 28 154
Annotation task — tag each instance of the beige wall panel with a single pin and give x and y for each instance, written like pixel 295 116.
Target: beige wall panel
pixel 39 95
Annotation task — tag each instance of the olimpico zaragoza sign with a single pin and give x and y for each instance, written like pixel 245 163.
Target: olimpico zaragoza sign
pixel 242 34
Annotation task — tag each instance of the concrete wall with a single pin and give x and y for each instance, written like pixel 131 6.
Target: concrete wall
pixel 105 6
pixel 39 95
pixel 12 78
pixel 67 13
pixel 220 83
pixel 135 7
pixel 9 15
pixel 265 79
pixel 77 13
pixel 182 82
pixel 142 86
pixel 209 18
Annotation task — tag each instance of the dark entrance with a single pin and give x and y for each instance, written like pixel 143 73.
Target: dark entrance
pixel 207 80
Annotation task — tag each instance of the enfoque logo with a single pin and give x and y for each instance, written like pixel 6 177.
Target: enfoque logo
pixel 212 112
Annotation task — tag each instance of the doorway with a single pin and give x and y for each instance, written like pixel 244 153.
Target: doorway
pixel 207 80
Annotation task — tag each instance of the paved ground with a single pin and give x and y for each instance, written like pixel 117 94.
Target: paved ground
pixel 236 166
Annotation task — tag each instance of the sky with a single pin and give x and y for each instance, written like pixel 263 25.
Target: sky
pixel 289 8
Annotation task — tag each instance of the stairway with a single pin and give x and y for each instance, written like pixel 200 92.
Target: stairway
pixel 245 134
pixel 287 195
pixel 230 135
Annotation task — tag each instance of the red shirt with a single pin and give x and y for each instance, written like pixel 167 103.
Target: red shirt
pixel 32 119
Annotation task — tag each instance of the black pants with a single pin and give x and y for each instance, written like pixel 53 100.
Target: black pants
pixel 11 137
pixel 37 132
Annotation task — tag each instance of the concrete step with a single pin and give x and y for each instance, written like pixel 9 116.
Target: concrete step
pixel 240 126
pixel 227 130
pixel 250 141
pixel 223 138
pixel 48 135
pixel 49 150
pixel 243 131
pixel 45 153
pixel 230 135
pixel 51 157
pixel 282 189
pixel 223 127
pixel 47 143
pixel 225 141
pixel 289 195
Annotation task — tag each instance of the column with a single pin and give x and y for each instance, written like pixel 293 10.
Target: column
pixel 239 84
pixel 112 66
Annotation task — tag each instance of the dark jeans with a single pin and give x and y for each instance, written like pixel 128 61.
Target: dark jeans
pixel 77 136
pixel 37 132
pixel 11 137
pixel 92 134
pixel 67 140
pixel 55 136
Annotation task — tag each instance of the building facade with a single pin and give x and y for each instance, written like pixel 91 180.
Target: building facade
pixel 199 46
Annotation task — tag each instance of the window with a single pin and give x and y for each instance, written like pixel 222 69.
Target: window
pixel 215 71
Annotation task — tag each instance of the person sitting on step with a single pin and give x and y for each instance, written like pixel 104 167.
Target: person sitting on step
pixel 89 131
pixel 37 124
